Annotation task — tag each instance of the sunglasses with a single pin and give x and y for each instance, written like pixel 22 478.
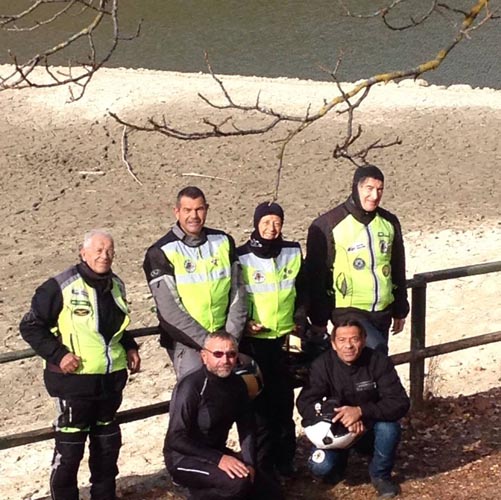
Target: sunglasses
pixel 220 354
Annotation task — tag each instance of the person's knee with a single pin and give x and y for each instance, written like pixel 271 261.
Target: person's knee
pixel 68 453
pixel 387 431
pixel 320 463
pixel 238 488
pixel 70 447
pixel 104 448
pixel 186 361
pixel 376 339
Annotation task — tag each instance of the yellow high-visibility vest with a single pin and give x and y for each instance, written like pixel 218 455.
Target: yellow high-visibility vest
pixel 362 264
pixel 78 325
pixel 271 290
pixel 203 279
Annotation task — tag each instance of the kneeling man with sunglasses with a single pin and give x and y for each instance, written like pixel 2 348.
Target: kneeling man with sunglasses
pixel 204 406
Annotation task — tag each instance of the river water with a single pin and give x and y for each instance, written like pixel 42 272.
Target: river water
pixel 273 38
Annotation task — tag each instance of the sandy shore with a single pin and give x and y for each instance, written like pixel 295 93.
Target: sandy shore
pixel 442 182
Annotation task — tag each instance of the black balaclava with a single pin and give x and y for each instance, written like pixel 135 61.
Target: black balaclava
pixel 354 205
pixel 260 246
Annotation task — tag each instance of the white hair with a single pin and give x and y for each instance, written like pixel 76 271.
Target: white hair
pixel 95 232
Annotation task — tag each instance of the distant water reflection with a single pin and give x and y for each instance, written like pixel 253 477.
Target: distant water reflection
pixel 275 38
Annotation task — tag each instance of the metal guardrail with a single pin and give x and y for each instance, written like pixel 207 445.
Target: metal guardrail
pixel 415 357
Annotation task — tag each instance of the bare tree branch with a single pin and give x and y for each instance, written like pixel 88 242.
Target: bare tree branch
pixel 103 17
pixel 125 155
pixel 271 119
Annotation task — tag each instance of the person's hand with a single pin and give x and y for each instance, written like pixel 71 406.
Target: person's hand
pixel 398 325
pixel 69 363
pixel 252 473
pixel 133 360
pixel 357 428
pixel 298 330
pixel 347 415
pixel 234 467
pixel 252 327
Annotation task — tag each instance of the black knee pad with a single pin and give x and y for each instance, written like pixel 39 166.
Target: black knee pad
pixel 106 437
pixel 104 448
pixel 68 453
pixel 70 445
pixel 239 488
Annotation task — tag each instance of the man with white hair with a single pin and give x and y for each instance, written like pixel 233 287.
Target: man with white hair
pixel 77 323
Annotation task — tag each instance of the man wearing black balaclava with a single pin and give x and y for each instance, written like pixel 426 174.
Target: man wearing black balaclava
pixel 356 263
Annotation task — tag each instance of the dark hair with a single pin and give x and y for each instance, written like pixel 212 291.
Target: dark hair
pixel 190 192
pixel 348 322
pixel 366 172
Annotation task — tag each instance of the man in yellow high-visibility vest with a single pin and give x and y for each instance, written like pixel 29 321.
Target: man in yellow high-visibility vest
pixel 77 324
pixel 195 279
pixel 355 261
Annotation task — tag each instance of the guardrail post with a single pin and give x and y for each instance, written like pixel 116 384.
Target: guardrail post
pixel 418 341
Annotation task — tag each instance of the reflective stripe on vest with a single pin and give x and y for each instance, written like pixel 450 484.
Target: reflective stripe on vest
pixel 271 291
pixel 78 325
pixel 203 279
pixel 362 265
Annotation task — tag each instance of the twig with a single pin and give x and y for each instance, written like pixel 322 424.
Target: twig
pixel 194 174
pixel 125 150
pixel 91 172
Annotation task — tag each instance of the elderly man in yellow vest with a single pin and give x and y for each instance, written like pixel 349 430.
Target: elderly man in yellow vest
pixel 77 324
pixel 195 279
pixel 355 261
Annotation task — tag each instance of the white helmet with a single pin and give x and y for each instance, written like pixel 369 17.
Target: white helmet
pixel 327 435
pixel 251 374
pixel 323 432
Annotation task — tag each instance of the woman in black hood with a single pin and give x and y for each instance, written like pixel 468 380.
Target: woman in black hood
pixel 272 272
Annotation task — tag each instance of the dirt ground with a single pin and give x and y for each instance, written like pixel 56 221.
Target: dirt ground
pixel 62 175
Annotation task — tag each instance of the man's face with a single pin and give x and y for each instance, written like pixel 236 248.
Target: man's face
pixel 191 214
pixel 348 343
pixel 99 253
pixel 270 227
pixel 220 357
pixel 370 192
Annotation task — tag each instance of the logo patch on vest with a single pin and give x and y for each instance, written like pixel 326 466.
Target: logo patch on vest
pixel 355 247
pixel 84 303
pixel 189 266
pixel 386 270
pixel 383 246
pixel 154 273
pixel 359 263
pixel 81 312
pixel 258 276
pixel 214 261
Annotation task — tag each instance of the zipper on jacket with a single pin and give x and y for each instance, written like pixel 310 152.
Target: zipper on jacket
pixel 373 263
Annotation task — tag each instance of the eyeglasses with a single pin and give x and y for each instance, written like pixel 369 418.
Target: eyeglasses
pixel 220 354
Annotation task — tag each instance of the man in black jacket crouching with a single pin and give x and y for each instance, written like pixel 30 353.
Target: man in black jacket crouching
pixel 370 401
